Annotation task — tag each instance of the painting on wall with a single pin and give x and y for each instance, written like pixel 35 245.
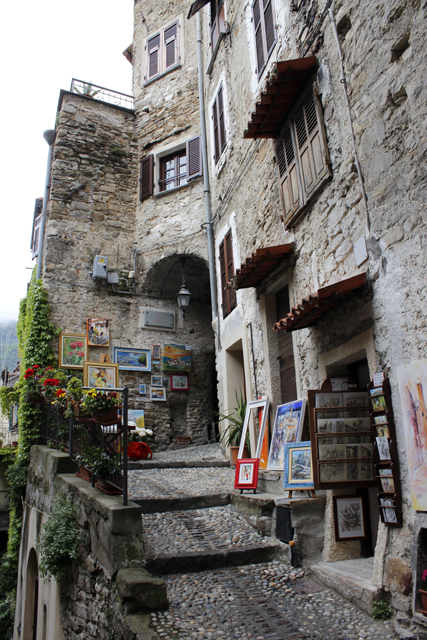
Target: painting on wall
pixel 132 359
pixel 179 382
pixel 412 381
pixel 298 468
pixel 102 375
pixel 72 350
pixel 176 357
pixel 98 332
pixel 157 393
pixel 287 428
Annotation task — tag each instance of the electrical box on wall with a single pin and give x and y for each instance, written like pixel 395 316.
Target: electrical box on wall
pixel 100 267
pixel 153 318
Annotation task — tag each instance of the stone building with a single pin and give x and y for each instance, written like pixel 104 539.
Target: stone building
pixel 315 178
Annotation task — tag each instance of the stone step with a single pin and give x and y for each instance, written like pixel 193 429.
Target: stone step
pixel 179 464
pixel 181 503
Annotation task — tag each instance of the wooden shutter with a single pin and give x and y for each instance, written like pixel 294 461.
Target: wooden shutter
pixel 269 26
pixel 289 185
pixel 194 158
pixel 153 56
pixel 221 120
pixel 259 37
pixel 230 270
pixel 216 129
pixel 171 48
pixel 146 178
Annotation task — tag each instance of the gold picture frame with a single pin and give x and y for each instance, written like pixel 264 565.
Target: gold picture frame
pixel 73 350
pixel 104 375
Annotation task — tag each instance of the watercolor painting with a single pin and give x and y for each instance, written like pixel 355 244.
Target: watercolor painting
pixel 287 428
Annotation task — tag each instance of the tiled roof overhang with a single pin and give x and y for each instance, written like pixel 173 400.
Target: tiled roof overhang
pixel 260 265
pixel 319 303
pixel 282 89
pixel 196 6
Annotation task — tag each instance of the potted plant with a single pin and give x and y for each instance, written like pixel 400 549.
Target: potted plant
pixel 51 382
pixel 423 593
pixel 232 434
pixel 106 466
pixel 33 384
pixel 86 460
pixel 102 405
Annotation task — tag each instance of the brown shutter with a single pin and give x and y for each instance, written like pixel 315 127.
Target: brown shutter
pixel 194 158
pixel 216 129
pixel 286 162
pixel 221 121
pixel 258 27
pixel 170 39
pixel 153 55
pixel 223 271
pixel 231 293
pixel 269 26
pixel 146 179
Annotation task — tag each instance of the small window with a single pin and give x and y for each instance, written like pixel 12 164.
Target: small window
pixel 218 118
pixel 162 52
pixel 229 301
pixel 265 31
pixel 173 170
pixel 217 20
pixel 36 227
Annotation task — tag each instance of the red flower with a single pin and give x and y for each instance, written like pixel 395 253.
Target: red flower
pixel 58 393
pixel 73 345
pixel 29 373
pixel 49 368
pixel 79 343
pixel 36 366
pixel 81 354
pixel 51 382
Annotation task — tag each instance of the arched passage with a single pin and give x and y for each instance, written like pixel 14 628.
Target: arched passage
pixel 31 601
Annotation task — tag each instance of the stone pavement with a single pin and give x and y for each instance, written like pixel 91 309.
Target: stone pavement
pixel 224 580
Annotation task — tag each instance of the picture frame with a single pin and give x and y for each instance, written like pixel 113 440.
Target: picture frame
pixel 73 350
pixel 388 485
pixel 179 382
pixel 246 474
pixel 136 418
pixel 330 403
pixel 157 352
pixel 298 466
pixel 176 357
pixel 287 427
pixel 389 510
pixel 349 517
pixel 156 367
pixel 98 332
pixel 142 389
pixel 130 359
pixel 104 375
pixel 158 394
pixel 254 404
pixel 383 447
pixel 378 404
pixel 157 381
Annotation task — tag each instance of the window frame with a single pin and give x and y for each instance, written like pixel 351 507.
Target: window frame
pixel 219 128
pixel 217 21
pixel 162 49
pixel 177 178
pixel 262 32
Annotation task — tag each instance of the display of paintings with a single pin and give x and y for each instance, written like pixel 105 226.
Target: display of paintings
pixel 103 375
pixel 157 393
pixel 246 473
pixel 157 381
pixel 157 352
pixel 349 517
pixel 358 402
pixel 98 332
pixel 142 389
pixel 333 472
pixel 329 401
pixel 383 448
pixel 130 359
pixel 378 404
pixel 179 382
pixel 176 357
pixel 412 382
pixel 136 418
pixel 298 467
pixel 287 428
pixel 156 367
pixel 389 511
pixel 72 350
pixel 388 485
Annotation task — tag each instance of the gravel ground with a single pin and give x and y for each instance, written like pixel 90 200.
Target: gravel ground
pixel 166 483
pixel 203 452
pixel 260 602
pixel 197 530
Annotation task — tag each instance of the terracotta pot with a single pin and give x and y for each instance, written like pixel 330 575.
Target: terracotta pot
pixel 234 452
pixel 423 595
pixel 84 474
pixel 107 487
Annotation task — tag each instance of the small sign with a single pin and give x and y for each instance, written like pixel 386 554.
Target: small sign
pixel 161 319
pixel 378 379
pixel 339 384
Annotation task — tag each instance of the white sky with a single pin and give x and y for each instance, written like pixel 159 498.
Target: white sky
pixel 43 45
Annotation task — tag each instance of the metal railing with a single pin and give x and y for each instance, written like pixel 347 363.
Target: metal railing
pixel 101 93
pixel 100 447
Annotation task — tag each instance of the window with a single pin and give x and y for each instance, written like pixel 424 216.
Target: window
pixel 302 158
pixel 36 227
pixel 218 118
pixel 162 52
pixel 175 169
pixel 217 20
pixel 226 262
pixel 265 31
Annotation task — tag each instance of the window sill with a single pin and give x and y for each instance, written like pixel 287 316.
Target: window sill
pixel 215 51
pixel 222 160
pixel 160 194
pixel 161 75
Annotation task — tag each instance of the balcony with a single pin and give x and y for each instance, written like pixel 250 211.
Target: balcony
pixel 102 94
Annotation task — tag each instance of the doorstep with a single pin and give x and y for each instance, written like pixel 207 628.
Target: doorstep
pixel 352 579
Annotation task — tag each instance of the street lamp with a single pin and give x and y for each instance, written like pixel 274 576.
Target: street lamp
pixel 183 296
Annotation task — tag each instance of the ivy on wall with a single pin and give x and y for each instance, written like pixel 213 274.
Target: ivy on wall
pixel 34 335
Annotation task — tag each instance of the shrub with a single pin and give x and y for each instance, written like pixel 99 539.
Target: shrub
pixel 381 610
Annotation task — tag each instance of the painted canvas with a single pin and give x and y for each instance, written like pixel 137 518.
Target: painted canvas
pixel 98 332
pixel 349 516
pixel 103 375
pixel 287 428
pixel 132 359
pixel 412 381
pixel 136 418
pixel 72 350
pixel 298 466
pixel 176 357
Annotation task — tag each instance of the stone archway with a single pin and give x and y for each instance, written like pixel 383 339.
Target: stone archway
pixel 31 602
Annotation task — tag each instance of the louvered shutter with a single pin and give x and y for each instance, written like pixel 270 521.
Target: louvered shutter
pixel 216 129
pixel 146 178
pixel 287 166
pixel 221 121
pixel 153 55
pixel 269 26
pixel 231 293
pixel 194 158
pixel 259 37
pixel 170 39
pixel 223 271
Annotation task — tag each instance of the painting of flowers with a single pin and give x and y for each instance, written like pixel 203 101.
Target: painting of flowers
pixel 72 350
pixel 101 375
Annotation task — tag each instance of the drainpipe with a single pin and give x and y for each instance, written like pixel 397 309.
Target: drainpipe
pixel 208 223
pixel 49 136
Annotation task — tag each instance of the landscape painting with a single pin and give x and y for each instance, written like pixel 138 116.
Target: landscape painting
pixel 176 357
pixel 132 359
pixel 287 428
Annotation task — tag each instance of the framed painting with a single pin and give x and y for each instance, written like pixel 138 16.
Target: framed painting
pixel 157 352
pixel 298 467
pixel 156 367
pixel 246 474
pixel 132 359
pixel 176 357
pixel 264 403
pixel 349 517
pixel 287 427
pixel 100 374
pixel 142 389
pixel 72 350
pixel 136 418
pixel 157 393
pixel 157 381
pixel 179 382
pixel 98 332
pixel 389 510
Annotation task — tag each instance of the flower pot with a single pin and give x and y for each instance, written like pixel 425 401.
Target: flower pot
pixel 423 595
pixel 84 474
pixel 234 452
pixel 107 487
pixel 80 415
pixel 106 418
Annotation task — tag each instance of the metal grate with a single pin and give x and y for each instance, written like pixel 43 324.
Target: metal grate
pixel 305 586
pixel 101 93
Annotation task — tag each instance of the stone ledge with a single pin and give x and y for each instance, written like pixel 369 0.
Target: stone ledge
pixel 176 503
pixel 139 626
pixel 139 591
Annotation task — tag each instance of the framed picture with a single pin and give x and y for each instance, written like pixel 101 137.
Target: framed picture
pixel 100 374
pixel 156 367
pixel 176 357
pixel 378 403
pixel 132 359
pixel 383 448
pixel 72 350
pixel 298 468
pixel 349 516
pixel 157 393
pixel 388 485
pixel 331 401
pixel 380 419
pixel 157 381
pixel 98 332
pixel 385 473
pixel 142 389
pixel 136 418
pixel 377 391
pixel 179 382
pixel 254 404
pixel 389 510
pixel 157 352
pixel 383 431
pixel 246 473
pixel 287 427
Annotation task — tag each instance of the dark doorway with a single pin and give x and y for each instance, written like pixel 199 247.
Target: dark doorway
pixel 286 352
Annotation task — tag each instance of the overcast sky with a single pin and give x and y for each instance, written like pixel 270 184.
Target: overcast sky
pixel 43 45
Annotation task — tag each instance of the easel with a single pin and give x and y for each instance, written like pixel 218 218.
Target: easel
pixel 311 492
pixel 104 357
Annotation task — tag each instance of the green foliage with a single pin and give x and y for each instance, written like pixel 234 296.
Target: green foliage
pixel 60 539
pixel 7 454
pixel 381 610
pixel 7 614
pixel 233 432
pixel 8 397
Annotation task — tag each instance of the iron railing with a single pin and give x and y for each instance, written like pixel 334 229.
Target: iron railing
pixel 101 93
pixel 102 442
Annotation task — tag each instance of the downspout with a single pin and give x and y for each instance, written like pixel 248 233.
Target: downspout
pixel 353 140
pixel 49 136
pixel 208 223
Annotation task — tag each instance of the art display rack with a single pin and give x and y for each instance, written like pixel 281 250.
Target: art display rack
pixel 365 436
pixel 393 462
